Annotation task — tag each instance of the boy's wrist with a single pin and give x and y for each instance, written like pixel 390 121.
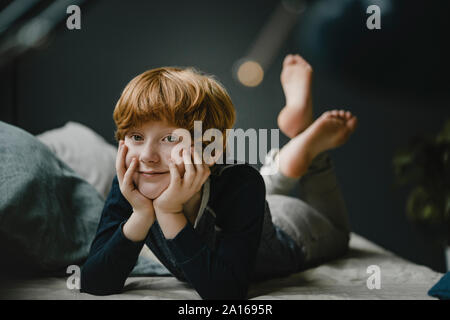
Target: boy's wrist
pixel 174 209
pixel 137 226
pixel 171 223
pixel 144 213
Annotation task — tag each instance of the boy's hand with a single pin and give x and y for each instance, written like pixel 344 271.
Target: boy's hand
pixel 181 189
pixel 137 200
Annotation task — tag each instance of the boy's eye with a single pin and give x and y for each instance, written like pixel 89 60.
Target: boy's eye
pixel 135 137
pixel 172 138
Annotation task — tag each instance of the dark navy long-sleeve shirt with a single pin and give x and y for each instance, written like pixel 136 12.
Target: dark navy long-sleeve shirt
pixel 216 255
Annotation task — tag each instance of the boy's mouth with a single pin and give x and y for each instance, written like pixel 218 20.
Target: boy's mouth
pixel 152 173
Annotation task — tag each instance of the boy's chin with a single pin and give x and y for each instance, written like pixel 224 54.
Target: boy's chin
pixel 152 190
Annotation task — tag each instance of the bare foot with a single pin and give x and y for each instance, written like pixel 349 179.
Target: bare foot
pixel 296 78
pixel 331 130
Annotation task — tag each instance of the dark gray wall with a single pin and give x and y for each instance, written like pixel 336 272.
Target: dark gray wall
pixel 79 76
pixel 7 93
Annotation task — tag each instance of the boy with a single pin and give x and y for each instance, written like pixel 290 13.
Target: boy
pixel 211 224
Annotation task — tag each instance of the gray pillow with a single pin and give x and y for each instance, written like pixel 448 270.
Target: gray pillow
pixel 86 152
pixel 48 213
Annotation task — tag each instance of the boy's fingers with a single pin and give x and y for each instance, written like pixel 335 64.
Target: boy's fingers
pixel 201 179
pixel 199 167
pixel 189 175
pixel 197 159
pixel 205 175
pixel 177 154
pixel 174 174
pixel 206 172
pixel 120 162
pixel 128 177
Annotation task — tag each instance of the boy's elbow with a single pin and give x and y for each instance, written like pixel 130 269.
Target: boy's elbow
pixel 96 284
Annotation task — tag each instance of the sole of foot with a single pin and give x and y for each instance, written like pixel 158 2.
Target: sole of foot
pixel 296 78
pixel 331 130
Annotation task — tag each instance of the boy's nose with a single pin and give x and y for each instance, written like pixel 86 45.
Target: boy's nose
pixel 149 155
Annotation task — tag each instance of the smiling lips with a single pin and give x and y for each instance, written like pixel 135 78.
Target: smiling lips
pixel 152 174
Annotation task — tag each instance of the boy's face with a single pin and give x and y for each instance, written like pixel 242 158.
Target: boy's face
pixel 152 145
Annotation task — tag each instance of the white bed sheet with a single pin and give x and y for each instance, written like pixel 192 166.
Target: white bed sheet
pixel 344 278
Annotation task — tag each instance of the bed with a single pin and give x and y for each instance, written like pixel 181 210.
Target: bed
pixel 350 277
pixel 344 278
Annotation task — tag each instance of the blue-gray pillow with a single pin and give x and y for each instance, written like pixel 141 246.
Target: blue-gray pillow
pixel 48 213
pixel 441 289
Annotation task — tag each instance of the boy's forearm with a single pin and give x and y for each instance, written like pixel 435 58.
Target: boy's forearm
pixel 171 223
pixel 137 226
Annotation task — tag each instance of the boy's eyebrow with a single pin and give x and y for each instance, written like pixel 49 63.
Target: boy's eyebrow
pixel 163 131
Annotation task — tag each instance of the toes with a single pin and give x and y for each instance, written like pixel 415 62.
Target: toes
pixel 348 115
pixel 352 123
pixel 343 114
pixel 299 59
pixel 327 114
pixel 295 58
pixel 330 116
pixel 339 120
pixel 288 59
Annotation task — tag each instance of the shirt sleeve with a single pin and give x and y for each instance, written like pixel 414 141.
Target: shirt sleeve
pixel 112 256
pixel 225 272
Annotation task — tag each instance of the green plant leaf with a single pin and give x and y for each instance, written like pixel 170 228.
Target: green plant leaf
pixel 430 213
pixel 417 200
